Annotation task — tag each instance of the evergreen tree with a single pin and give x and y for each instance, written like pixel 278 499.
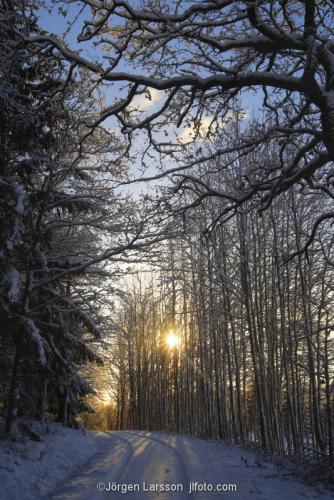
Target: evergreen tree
pixel 51 213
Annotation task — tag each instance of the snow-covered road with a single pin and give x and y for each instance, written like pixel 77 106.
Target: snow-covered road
pixel 140 465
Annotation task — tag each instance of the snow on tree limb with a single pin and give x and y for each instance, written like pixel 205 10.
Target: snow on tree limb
pixel 33 332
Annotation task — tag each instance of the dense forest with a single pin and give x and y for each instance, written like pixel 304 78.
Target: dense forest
pixel 252 359
pixel 166 206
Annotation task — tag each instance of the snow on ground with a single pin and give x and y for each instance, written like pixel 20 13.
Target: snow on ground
pixel 30 469
pixel 143 460
pixel 78 465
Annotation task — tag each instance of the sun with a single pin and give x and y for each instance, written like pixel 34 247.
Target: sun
pixel 172 340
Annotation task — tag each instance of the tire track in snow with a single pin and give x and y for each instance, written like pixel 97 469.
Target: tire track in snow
pixel 154 461
pixel 176 453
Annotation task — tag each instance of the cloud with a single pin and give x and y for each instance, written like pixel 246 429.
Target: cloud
pixel 187 134
pixel 146 100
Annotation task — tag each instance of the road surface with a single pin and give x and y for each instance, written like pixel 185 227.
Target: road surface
pixel 137 465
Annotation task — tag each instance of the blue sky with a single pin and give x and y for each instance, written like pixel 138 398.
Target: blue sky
pixel 54 22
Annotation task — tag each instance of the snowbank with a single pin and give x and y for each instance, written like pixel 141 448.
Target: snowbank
pixel 29 470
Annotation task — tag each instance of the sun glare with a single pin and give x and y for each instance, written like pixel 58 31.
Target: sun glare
pixel 172 340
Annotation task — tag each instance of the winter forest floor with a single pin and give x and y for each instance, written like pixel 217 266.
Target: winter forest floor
pixel 75 464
